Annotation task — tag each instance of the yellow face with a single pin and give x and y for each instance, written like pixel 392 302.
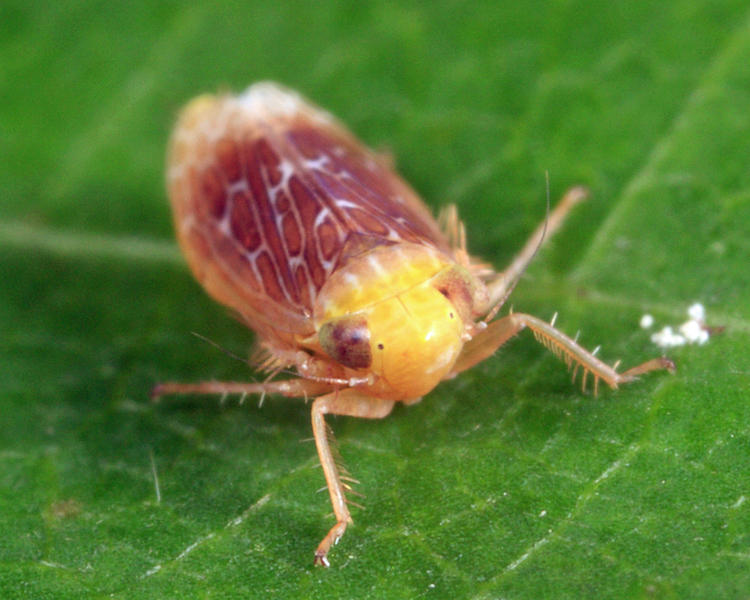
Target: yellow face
pixel 415 337
pixel 402 318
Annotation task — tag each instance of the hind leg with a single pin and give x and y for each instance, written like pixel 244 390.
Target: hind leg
pixel 484 344
pixel 352 404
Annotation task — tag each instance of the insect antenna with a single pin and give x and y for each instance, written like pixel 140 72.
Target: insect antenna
pixel 218 346
pixel 501 302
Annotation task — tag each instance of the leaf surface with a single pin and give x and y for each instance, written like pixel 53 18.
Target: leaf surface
pixel 505 482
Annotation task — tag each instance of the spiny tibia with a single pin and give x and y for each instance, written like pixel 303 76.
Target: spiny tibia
pixel 569 358
pixel 344 476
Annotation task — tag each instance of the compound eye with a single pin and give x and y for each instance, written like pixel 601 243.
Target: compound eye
pixel 456 285
pixel 347 341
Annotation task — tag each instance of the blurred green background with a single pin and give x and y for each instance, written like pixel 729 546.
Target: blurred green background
pixel 506 482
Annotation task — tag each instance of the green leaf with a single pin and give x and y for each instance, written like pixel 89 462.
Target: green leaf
pixel 505 482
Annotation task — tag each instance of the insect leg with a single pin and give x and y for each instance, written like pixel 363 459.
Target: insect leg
pixel 291 388
pixel 498 332
pixel 353 404
pixel 501 285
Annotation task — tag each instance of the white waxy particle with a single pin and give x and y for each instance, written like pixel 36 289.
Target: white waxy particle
pixel 697 312
pixel 666 338
pixel 694 333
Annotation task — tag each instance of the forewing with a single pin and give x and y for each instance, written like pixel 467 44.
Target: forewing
pixel 267 190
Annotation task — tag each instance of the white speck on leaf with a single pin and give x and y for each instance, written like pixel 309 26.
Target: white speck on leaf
pixel 697 312
pixel 692 331
pixel 666 338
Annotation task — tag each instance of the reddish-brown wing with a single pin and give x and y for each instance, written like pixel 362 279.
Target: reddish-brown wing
pixel 267 190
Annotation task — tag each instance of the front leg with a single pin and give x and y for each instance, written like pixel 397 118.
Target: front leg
pixel 291 388
pixel 501 284
pixel 350 403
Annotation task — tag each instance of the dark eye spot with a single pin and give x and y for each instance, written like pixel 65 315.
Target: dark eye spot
pixel 347 341
pixel 444 292
pixel 380 346
pixel 450 315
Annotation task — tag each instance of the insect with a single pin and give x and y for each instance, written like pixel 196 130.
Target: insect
pixel 321 248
